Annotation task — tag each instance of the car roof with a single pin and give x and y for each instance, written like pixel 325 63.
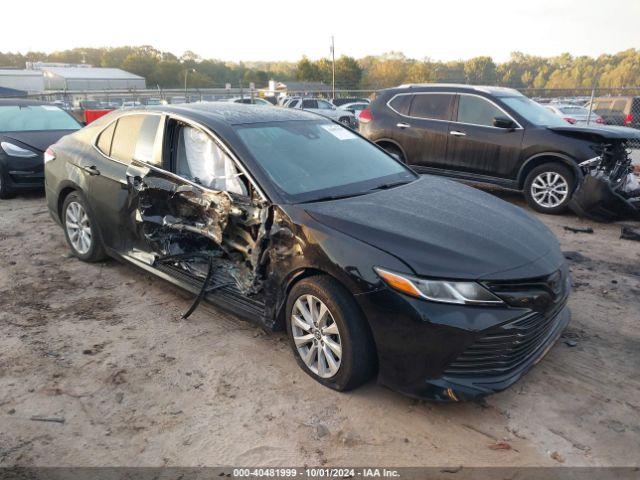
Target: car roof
pixel 455 87
pixel 20 102
pixel 230 113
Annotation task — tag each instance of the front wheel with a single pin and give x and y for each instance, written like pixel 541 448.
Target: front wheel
pixel 5 191
pixel 548 188
pixel 80 230
pixel 329 336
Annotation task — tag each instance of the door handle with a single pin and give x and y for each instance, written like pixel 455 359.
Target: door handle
pixel 91 170
pixel 457 133
pixel 403 125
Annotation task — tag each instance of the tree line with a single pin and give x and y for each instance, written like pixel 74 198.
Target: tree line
pixel 522 71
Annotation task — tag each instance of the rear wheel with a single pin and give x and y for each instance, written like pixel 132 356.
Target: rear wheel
pixel 80 230
pixel 328 334
pixel 548 188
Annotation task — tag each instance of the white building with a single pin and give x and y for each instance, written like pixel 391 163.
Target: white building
pixel 92 78
pixel 27 80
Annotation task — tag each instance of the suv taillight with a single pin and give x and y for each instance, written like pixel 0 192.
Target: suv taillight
pixel 49 155
pixel 599 120
pixel 365 115
pixel 628 119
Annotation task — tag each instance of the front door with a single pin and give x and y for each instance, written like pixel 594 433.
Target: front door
pixel 475 145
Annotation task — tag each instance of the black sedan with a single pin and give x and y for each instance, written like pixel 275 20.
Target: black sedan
pixel 298 223
pixel 27 128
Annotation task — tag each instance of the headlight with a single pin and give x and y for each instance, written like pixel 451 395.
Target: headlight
pixel 16 151
pixel 445 291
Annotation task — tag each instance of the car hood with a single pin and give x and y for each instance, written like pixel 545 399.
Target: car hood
pixel 40 140
pixel 444 229
pixel 608 132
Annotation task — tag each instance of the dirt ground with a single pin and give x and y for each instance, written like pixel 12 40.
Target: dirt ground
pixel 102 353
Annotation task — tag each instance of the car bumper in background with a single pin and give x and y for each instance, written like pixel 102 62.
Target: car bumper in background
pixel 456 353
pixel 23 173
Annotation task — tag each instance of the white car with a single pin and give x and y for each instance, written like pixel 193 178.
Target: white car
pixel 354 107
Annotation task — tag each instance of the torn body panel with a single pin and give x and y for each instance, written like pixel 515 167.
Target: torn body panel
pixel 229 238
pixel 609 189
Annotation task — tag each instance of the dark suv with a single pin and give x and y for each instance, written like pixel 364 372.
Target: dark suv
pixel 485 134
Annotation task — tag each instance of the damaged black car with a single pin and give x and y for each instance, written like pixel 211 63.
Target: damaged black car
pixel 299 224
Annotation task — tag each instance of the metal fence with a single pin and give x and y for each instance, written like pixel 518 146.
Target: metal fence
pixel 593 106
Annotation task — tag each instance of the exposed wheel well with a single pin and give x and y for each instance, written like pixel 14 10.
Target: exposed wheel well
pixel 64 193
pixel 388 144
pixel 537 161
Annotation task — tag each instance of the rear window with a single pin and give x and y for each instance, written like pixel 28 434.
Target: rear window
pixel 619 105
pixel 434 106
pixel 28 118
pixel 401 104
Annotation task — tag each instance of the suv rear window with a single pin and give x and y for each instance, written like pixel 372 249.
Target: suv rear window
pixel 434 106
pixel 401 104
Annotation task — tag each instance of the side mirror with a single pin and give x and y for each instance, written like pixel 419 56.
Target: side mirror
pixel 504 122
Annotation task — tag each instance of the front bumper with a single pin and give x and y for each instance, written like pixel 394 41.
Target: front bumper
pixel 456 353
pixel 23 173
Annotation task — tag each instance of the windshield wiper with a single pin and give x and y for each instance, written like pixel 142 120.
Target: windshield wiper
pixel 335 197
pixel 385 186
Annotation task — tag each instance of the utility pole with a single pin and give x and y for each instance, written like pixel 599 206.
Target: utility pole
pixel 333 68
pixel 186 75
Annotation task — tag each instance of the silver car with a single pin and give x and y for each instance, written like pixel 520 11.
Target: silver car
pixel 324 108
pixel 575 114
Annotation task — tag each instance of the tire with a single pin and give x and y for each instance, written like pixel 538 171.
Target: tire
pixel 86 244
pixel 5 191
pixel 548 188
pixel 394 151
pixel 358 362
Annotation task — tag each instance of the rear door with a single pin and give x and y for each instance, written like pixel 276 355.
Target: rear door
pixel 422 127
pixel 475 145
pixel 107 179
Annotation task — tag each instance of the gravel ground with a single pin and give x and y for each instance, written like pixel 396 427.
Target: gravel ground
pixel 101 352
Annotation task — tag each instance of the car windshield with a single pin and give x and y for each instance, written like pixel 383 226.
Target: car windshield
pixel 314 160
pixel 35 118
pixel 534 112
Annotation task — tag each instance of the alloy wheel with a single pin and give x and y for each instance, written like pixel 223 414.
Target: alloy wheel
pixel 316 336
pixel 549 189
pixel 78 228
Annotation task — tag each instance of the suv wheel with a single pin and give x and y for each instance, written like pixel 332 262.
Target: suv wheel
pixel 548 188
pixel 328 334
pixel 80 230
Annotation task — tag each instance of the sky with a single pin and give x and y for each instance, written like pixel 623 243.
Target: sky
pixel 287 30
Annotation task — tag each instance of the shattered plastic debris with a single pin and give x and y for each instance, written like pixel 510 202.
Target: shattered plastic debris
pixel 609 190
pixel 628 233
pixel 579 229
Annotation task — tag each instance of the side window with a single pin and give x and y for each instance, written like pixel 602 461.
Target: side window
pixel 293 104
pixel 309 104
pixel 401 104
pixel 324 105
pixel 200 160
pixel 135 137
pixel 477 111
pixel 619 105
pixel 431 106
pixel 149 136
pixel 104 140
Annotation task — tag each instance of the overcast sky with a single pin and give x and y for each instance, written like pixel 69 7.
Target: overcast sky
pixel 252 30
